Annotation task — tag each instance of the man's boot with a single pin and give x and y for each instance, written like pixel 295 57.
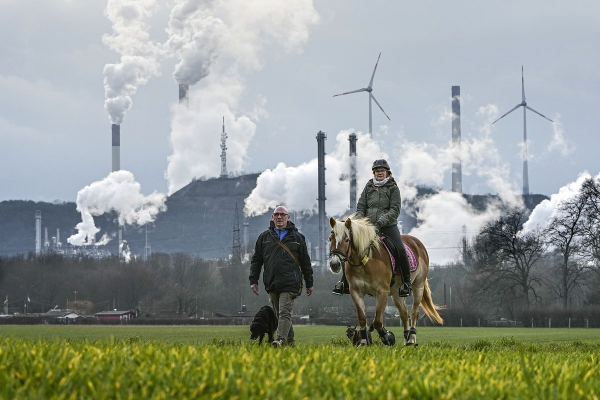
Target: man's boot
pixel 341 287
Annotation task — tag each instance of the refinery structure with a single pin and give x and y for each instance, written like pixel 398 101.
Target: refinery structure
pixel 230 188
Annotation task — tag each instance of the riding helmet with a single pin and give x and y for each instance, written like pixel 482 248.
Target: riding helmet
pixel 380 164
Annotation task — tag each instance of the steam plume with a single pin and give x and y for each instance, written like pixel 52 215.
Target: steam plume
pixel 117 192
pixel 201 34
pixel 138 54
pixel 296 186
pixel 547 209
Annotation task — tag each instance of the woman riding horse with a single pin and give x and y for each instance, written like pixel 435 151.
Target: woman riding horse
pixel 380 202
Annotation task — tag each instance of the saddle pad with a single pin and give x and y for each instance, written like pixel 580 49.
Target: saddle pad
pixel 412 260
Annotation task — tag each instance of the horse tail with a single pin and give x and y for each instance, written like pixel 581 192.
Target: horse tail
pixel 428 306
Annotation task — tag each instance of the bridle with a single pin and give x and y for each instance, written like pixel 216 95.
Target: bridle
pixel 346 257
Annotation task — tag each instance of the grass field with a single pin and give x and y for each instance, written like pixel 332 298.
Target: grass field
pixel 304 334
pixel 111 362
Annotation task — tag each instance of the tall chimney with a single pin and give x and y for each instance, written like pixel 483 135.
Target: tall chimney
pixel 456 164
pixel 352 140
pixel 183 94
pixel 116 147
pixel 223 152
pixel 321 199
pixel 46 242
pixel 246 235
pixel 58 243
pixel 116 166
pixel 38 232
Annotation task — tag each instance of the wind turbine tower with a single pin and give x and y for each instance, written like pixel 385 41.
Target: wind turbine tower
pixel 223 152
pixel 321 255
pixel 369 89
pixel 523 104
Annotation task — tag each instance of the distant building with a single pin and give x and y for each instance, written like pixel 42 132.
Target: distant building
pixel 113 317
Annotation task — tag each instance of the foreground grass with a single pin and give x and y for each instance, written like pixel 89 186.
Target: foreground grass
pixel 235 369
pixel 304 334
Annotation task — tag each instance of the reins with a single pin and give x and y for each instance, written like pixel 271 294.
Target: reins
pixel 346 257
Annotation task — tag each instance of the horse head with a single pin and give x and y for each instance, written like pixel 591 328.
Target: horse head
pixel 339 246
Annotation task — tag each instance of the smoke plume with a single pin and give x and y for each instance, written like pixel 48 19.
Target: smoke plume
pixel 296 187
pixel 117 192
pixel 219 43
pixel 547 209
pixel 138 61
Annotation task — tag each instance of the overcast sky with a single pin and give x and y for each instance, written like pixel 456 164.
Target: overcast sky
pixel 55 132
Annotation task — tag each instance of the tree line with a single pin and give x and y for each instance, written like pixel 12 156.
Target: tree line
pixel 511 270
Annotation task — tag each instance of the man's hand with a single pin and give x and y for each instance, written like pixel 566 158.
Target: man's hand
pixel 254 288
pixel 309 291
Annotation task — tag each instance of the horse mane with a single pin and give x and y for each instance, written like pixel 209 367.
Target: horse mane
pixel 363 233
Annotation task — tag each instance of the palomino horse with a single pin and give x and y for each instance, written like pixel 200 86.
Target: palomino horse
pixel 356 246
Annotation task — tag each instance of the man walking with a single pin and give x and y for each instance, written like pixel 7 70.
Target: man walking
pixel 282 250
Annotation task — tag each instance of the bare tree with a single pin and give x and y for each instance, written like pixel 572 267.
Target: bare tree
pixel 566 235
pixel 503 260
pixel 590 190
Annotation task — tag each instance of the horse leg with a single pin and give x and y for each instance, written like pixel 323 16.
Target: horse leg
pixel 403 311
pixel 359 302
pixel 414 315
pixel 386 337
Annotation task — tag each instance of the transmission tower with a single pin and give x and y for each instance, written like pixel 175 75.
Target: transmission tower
pixel 223 153
pixel 237 245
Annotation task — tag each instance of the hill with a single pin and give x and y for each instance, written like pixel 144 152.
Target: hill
pixel 199 220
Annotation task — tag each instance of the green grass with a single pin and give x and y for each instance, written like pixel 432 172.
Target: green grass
pixel 304 334
pixel 217 362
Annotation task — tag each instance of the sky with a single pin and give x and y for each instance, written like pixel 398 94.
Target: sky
pixel 71 68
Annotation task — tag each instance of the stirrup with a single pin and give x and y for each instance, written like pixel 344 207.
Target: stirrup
pixel 405 291
pixel 340 289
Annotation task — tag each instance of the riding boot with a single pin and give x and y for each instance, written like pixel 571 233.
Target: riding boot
pixel 405 267
pixel 341 287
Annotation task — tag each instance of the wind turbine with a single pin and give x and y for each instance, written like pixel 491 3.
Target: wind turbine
pixel 523 104
pixel 369 89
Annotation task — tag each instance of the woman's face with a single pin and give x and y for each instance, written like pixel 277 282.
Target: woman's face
pixel 380 173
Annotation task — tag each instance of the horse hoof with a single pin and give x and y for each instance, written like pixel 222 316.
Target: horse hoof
pixel 390 339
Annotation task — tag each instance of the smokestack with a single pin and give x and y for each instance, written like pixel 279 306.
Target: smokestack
pixel 116 166
pixel 46 242
pixel 321 199
pixel 116 147
pixel 58 243
pixel 246 235
pixel 223 152
pixel 352 140
pixel 38 232
pixel 183 94
pixel 456 165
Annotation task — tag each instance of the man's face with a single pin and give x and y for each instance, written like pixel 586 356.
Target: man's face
pixel 280 217
pixel 380 173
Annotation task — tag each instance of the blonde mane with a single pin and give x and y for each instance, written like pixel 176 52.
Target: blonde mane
pixel 363 233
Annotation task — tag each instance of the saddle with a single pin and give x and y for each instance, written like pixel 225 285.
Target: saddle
pixel 392 250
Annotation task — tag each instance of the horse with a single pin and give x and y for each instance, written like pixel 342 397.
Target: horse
pixel 355 245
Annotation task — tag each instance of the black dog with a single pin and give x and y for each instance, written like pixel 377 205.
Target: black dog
pixel 353 333
pixel 264 323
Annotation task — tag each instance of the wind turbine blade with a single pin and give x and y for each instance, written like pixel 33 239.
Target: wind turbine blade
pixel 522 83
pixel 517 106
pixel 354 91
pixel 381 108
pixel 374 69
pixel 541 115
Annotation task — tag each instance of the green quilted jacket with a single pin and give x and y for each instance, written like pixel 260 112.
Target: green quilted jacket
pixel 380 204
